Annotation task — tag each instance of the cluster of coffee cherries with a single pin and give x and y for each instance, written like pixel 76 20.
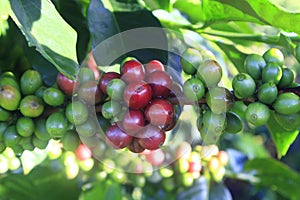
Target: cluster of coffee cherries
pixel 213 102
pixel 138 105
pixel 173 168
pixel 264 85
pixel 22 126
pixel 191 163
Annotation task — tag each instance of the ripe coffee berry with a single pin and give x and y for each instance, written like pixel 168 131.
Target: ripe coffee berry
pixel 151 137
pixel 117 138
pixel 159 112
pixel 154 65
pixel 66 85
pixel 137 94
pixel 132 71
pixel 133 121
pixel 160 82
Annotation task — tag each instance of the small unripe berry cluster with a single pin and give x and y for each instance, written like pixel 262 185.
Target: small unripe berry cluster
pixel 213 101
pixel 264 77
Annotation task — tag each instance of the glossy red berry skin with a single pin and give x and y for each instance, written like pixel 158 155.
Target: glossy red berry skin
pixel 159 112
pixel 160 82
pixel 171 125
pixel 137 94
pixel 66 85
pixel 105 78
pixel 154 65
pixel 151 137
pixel 133 121
pixel 132 71
pixel 117 138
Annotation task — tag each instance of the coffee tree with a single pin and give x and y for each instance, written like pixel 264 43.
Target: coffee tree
pixel 132 99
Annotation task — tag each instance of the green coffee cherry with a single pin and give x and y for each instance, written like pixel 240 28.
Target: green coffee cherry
pixel 234 123
pixel 115 89
pixel 30 81
pixel 85 75
pixel 193 89
pixel 5 115
pixel 287 78
pixel 287 103
pixel 254 65
pixel 219 99
pixel 272 73
pixel 11 136
pixel 9 81
pixel 38 143
pixel 214 122
pixel 40 130
pixel 110 109
pixel 77 112
pixel 57 125
pixel 274 55
pixel 87 129
pixel 267 93
pixel 257 114
pixel 9 97
pixel 190 60
pixel 243 85
pixel 210 73
pixel 70 140
pixel 53 96
pixel 26 143
pixel 31 106
pixel 25 126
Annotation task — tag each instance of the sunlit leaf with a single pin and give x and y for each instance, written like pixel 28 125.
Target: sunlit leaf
pixel 263 11
pixel 282 138
pixel 235 56
pixel 273 174
pixel 45 29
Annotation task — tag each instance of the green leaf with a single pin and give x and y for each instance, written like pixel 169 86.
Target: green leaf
pixel 235 56
pixel 53 183
pixel 103 190
pixel 159 4
pixel 215 10
pixel 282 138
pixel 45 29
pixel 264 11
pixel 40 183
pixel 275 175
pixel 192 8
pixel 77 20
pixel 119 34
pixel 17 186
